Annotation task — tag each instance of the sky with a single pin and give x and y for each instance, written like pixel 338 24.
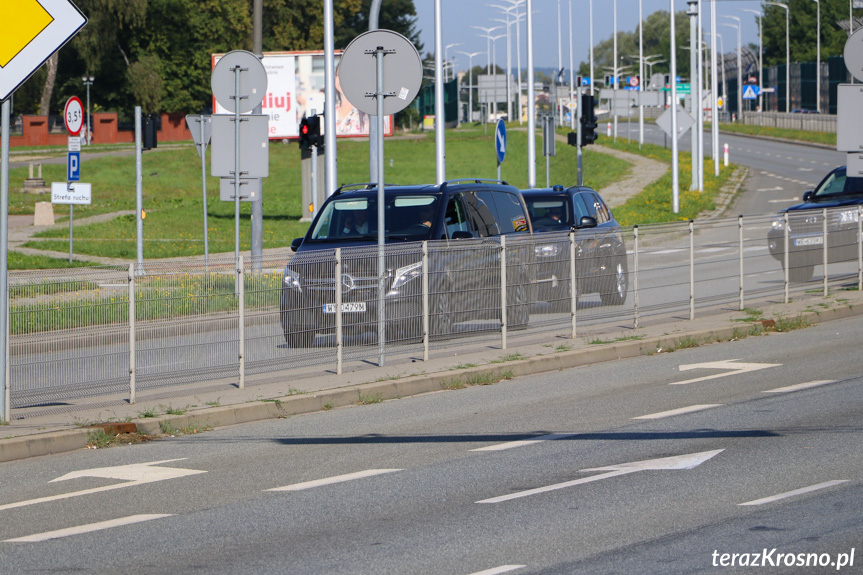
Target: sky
pixel 459 15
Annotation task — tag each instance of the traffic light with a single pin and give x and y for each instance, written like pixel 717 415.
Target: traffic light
pixel 314 124
pixel 588 120
pixel 572 138
pixel 305 140
pixel 310 132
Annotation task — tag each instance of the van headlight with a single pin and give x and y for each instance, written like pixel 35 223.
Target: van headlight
pixel 546 251
pixel 292 280
pixel 848 217
pixel 405 274
pixel 778 223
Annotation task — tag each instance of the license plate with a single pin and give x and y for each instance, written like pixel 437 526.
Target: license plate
pixel 350 307
pixel 813 241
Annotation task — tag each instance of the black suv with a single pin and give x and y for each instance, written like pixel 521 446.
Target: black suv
pixel 601 264
pixel 463 274
pixel 841 195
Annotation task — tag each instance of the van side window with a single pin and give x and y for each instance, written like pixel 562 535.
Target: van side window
pixel 601 209
pixel 480 213
pixel 510 213
pixel 455 218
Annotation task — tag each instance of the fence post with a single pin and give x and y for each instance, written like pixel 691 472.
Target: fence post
pixel 241 317
pixel 635 276
pixel 824 232
pixel 425 298
pixel 131 333
pixel 740 244
pixel 573 283
pixel 691 270
pixel 785 255
pixel 859 248
pixel 338 298
pixel 503 313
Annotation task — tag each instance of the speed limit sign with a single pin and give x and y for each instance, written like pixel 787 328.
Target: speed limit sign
pixel 74 115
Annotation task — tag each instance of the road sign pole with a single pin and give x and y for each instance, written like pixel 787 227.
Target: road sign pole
pixel 4 243
pixel 237 70
pixel 139 193
pixel 204 187
pixel 379 61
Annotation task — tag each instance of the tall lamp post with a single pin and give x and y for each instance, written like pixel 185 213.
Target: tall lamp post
pixel 88 81
pixel 470 56
pixel 446 59
pixel 787 54
pixel 760 50
pixel 739 65
pixel 487 35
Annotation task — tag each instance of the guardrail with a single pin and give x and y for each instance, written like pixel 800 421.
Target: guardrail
pixel 111 332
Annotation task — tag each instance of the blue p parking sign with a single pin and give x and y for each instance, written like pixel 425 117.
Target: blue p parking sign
pixel 73 166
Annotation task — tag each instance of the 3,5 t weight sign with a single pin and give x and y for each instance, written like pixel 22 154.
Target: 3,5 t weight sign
pixel 74 115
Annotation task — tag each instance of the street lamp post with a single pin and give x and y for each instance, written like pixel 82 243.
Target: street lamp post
pixel 787 54
pixel 445 58
pixel 760 50
pixel 739 66
pixel 470 56
pixel 88 81
pixel 487 35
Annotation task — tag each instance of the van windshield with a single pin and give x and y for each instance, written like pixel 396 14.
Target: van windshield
pixel 409 217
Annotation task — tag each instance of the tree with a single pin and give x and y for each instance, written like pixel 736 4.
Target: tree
pixel 803 28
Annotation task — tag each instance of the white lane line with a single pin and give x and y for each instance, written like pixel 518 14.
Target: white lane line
pixel 680 411
pixel 332 480
pixel 783 200
pixel 102 525
pixel 794 493
pixel 523 442
pixel 501 569
pixel 800 386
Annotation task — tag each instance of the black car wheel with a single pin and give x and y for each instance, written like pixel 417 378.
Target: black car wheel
pixel 615 291
pixel 518 312
pixel 441 320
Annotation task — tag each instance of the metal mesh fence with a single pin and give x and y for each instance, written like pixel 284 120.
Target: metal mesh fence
pixel 75 333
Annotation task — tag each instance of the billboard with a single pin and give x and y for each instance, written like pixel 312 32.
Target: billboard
pixel 295 87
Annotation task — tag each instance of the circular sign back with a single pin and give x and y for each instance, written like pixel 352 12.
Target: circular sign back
pixel 73 115
pixel 253 81
pixel 854 54
pixel 403 71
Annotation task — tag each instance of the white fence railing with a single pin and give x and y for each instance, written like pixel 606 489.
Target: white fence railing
pixel 113 332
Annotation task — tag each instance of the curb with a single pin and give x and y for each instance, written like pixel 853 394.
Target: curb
pixel 359 394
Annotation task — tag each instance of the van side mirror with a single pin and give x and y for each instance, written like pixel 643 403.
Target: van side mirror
pixel 587 222
pixel 461 235
pixel 295 245
pixel 807 196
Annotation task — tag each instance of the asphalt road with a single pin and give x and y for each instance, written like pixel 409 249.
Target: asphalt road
pixel 762 454
pixel 779 172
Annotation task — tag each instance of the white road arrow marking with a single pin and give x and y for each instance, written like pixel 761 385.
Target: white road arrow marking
pixel 728 364
pixel 687 461
pixel 102 525
pixel 134 474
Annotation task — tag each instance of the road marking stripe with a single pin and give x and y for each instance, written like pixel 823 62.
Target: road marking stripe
pixel 523 442
pixel 102 525
pixel 801 491
pixel 800 386
pixel 332 480
pixel 501 569
pixel 680 411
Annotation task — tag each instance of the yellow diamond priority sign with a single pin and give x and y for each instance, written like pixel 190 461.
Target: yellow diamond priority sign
pixel 33 30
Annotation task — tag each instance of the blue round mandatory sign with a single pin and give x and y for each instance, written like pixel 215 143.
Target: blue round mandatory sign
pixel 500 140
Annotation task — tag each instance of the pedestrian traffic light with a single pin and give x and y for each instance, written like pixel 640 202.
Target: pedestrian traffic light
pixel 588 120
pixel 572 138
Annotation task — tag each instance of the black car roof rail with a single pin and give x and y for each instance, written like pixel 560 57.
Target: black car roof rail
pixel 444 185
pixel 359 186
